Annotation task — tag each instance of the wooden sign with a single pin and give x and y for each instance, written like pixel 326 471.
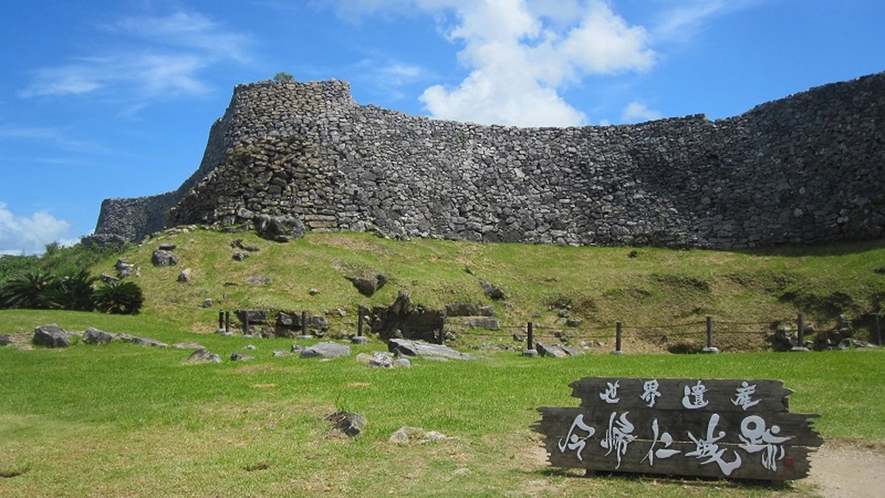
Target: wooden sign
pixel 738 429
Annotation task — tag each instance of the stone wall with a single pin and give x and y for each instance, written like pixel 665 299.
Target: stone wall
pixel 806 169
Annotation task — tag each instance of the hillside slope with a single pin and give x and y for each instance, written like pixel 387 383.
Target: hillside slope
pixel 662 296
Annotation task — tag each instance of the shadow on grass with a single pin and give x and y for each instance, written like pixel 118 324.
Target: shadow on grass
pixel 13 471
pixel 834 249
pixel 691 481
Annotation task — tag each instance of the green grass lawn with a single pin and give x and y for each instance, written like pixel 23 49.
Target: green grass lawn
pixel 126 420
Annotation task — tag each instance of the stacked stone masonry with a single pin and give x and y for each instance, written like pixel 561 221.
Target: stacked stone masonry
pixel 805 169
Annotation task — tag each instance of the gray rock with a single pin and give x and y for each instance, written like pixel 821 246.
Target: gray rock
pixel 347 422
pixel 240 256
pixel 124 268
pixel 402 363
pixel 164 258
pixel 482 322
pixel 240 357
pixel 252 316
pixel 381 360
pixel 95 336
pixel 278 228
pixel 317 323
pixel 849 343
pixel 144 341
pixel 415 435
pixel 368 286
pixel 202 355
pixel 492 291
pixel 326 350
pixel 167 246
pixel 207 303
pixel 50 336
pixel 425 349
pixel 258 280
pixel 554 350
pixel 186 276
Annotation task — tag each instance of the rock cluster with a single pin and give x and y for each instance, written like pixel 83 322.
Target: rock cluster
pixel 804 169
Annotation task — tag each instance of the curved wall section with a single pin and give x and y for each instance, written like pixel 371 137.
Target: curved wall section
pixel 806 169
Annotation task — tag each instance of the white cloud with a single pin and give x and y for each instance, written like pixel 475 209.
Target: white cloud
pixel 29 234
pixel 682 19
pixel 637 111
pixel 520 60
pixel 521 53
pixel 150 56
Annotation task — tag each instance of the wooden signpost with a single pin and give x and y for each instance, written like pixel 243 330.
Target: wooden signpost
pixel 737 429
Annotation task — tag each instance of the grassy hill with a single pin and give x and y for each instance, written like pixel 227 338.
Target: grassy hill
pixel 662 296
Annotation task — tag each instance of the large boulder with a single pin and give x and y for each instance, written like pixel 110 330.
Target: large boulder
pixel 95 336
pixel 124 268
pixel 347 422
pixel 469 309
pixel 401 319
pixel 492 291
pixel 425 349
pixel 50 336
pixel 164 258
pixel 326 350
pixel 202 355
pixel 482 322
pixel 555 350
pixel 141 341
pixel 278 228
pixel 368 286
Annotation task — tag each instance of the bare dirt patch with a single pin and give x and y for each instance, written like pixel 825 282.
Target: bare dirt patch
pixel 847 470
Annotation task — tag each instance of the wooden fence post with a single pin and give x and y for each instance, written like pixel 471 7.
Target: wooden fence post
pixel 618 332
pixel 710 348
pixel 303 322
pixel 800 339
pixel 227 321
pixel 530 350
pixel 531 338
pixel 359 339
pixel 220 319
pixel 878 330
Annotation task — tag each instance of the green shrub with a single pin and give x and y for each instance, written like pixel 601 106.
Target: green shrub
pixel 26 290
pixel 119 298
pixel 281 77
pixel 71 292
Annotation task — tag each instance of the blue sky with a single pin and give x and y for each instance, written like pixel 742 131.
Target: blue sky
pixel 104 99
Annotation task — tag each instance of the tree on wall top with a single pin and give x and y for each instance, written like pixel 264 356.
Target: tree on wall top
pixel 281 77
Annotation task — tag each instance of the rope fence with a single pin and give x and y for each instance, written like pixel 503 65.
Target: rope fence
pixel 532 333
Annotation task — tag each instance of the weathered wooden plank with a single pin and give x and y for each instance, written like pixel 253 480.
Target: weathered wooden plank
pixel 683 394
pixel 683 425
pixel 734 463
